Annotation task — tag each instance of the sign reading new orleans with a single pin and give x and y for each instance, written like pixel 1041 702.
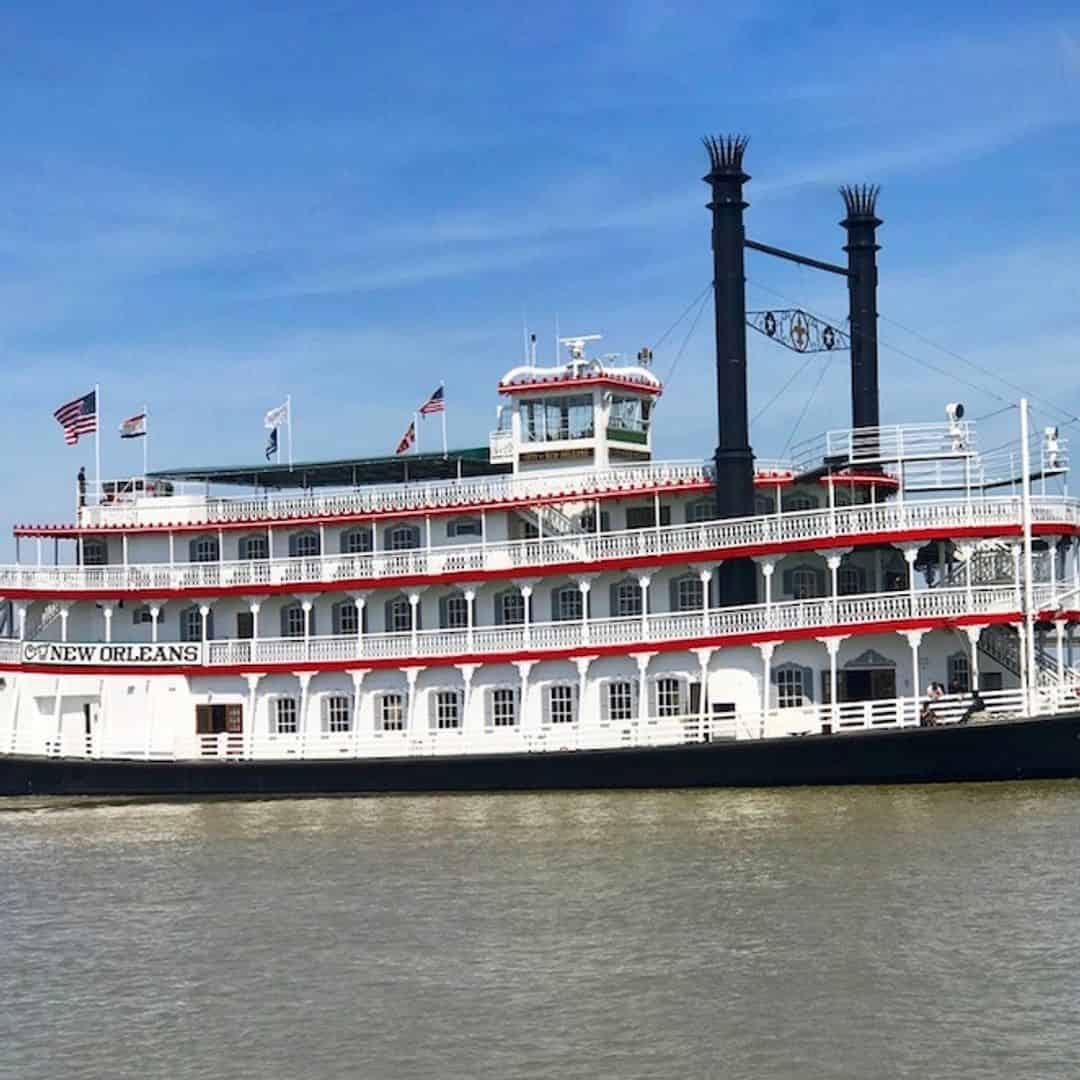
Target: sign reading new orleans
pixel 107 655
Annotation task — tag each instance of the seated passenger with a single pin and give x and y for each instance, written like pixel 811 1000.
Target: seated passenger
pixel 977 706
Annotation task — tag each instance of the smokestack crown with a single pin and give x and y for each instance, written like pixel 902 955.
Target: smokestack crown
pixel 860 201
pixel 726 155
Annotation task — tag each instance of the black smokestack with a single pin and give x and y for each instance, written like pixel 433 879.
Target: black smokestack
pixel 734 459
pixel 862 247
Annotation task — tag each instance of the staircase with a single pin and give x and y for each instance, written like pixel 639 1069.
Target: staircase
pixel 1002 645
pixel 550 521
pixel 50 613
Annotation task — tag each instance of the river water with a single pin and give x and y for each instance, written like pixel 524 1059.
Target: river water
pixel 889 932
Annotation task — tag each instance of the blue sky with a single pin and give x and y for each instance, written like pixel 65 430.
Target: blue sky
pixel 208 206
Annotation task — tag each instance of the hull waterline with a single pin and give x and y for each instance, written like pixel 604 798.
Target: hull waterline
pixel 1046 748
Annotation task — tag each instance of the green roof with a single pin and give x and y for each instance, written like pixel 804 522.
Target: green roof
pixel 349 472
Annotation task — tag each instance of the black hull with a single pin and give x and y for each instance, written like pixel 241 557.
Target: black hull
pixel 1017 750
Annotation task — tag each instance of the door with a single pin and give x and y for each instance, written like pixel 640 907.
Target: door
pixel 215 719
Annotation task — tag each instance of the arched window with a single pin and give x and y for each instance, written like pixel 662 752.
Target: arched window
pixel 346 617
pixel 191 624
pixel 464 526
pixel 254 546
pixel 293 620
pixel 95 551
pixel 510 608
pixel 804 582
pixel 567 603
pixel 204 549
pixel 687 593
pixel 304 545
pixel 850 580
pixel 356 541
pixel 403 537
pixel 453 611
pixel 399 615
pixel 625 598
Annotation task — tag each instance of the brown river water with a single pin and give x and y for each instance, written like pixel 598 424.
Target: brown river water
pixel 819 933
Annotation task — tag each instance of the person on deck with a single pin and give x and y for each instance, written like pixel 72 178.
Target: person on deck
pixel 976 707
pixel 81 481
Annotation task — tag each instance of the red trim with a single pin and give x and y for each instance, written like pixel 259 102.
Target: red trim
pixel 745 551
pixel 861 480
pixel 563 383
pixel 684 644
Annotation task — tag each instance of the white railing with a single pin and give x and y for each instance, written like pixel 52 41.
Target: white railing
pixel 395 498
pixel 636 632
pixel 835 527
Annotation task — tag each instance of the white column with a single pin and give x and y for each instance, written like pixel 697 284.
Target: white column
pixel 768 568
pixel 107 612
pixel 706 577
pixel 911 554
pixel 306 605
pixel 123 549
pixel 411 675
pixel 643 584
pixel 172 548
pixel 155 615
pixel 582 664
pixel 64 621
pixel 585 584
pixel 973 635
pixel 642 660
pixel 767 649
pixel 204 614
pixel 470 616
pixel 526 721
pixel 252 681
pixel 832 646
pixel 358 675
pixel 1059 631
pixel 414 605
pixel 254 606
pixel 305 682
pixel 468 723
pixel 526 596
pixel 20 615
pixel 704 655
pixel 914 639
pixel 1051 554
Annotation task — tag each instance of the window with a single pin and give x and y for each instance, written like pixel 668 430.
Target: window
pixel 454 611
pixel 799 500
pixel 467 526
pixel 620 701
pixel 205 549
pixel 688 594
pixel 392 712
pixel 790 688
pixel 304 545
pixel 346 618
pixel 337 713
pixel 191 624
pixel 959 674
pixel 644 517
pixel 849 581
pixel 286 716
pixel 399 615
pixel 764 504
pixel 356 542
pixel 94 552
pixel 567 604
pixel 587 521
pixel 446 710
pixel 403 538
pixel 561 704
pixel 245 624
pixel 503 707
pixel 625 599
pixel 628 414
pixel 668 697
pixel 509 608
pixel 141 615
pixel 255 547
pixel 293 622
pixel 702 510
pixel 554 419
pixel 803 583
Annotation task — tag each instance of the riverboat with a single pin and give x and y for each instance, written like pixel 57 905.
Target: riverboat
pixel 557 609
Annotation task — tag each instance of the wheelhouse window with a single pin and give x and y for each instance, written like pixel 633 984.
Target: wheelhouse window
pixel 668 697
pixel 286 716
pixel 620 701
pixel 625 599
pixel 256 546
pixel 466 526
pixel 391 712
pixel 337 713
pixel 556 419
pixel 356 542
pixel 503 707
pixel 94 552
pixel 568 604
pixel 304 545
pixel 205 549
pixel 446 706
pixel 629 414
pixel 560 703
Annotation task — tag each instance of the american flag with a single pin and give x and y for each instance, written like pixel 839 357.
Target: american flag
pixel 78 417
pixel 407 439
pixel 435 403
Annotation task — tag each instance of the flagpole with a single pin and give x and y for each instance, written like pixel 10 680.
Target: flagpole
pixel 288 420
pixel 445 452
pixel 416 431
pixel 145 441
pixel 97 440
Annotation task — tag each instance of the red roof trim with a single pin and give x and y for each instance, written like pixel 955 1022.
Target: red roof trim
pixel 563 383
